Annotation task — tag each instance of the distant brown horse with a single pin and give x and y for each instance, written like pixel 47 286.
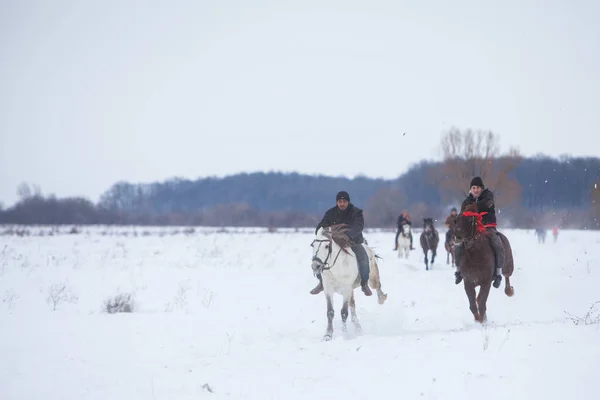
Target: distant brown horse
pixel 478 260
pixel 429 240
pixel 450 249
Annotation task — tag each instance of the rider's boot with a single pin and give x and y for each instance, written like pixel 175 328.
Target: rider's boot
pixel 364 285
pixel 500 255
pixel 363 267
pixel 458 252
pixel 319 288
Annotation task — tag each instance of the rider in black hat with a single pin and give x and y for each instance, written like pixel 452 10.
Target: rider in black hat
pixel 345 212
pixel 485 203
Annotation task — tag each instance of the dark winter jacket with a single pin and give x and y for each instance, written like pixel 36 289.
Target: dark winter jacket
pixel 353 216
pixel 403 220
pixel 485 202
pixel 451 221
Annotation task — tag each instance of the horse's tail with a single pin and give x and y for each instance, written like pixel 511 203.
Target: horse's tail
pixel 374 279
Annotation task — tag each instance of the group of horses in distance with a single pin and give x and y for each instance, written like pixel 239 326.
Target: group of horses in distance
pixel 429 241
pixel 334 260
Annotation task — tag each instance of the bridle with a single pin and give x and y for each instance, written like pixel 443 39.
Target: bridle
pixel 476 228
pixel 324 264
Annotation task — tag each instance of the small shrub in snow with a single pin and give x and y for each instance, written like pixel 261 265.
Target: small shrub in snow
pixel 180 300
pixel 119 304
pixel 59 293
pixel 208 298
pixel 592 317
pixel 9 298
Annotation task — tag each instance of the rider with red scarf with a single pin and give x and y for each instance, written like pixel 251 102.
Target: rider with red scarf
pixel 484 198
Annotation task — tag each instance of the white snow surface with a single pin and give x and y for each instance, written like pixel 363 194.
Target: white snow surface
pixel 228 315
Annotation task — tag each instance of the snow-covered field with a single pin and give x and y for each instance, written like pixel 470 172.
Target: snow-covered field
pixel 222 315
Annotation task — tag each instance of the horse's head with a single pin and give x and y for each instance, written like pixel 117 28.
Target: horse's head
pixel 468 224
pixel 327 245
pixel 406 229
pixel 321 250
pixel 428 225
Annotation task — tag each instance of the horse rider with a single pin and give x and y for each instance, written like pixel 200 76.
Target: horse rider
pixel 484 198
pixel 450 222
pixel 345 212
pixel 403 219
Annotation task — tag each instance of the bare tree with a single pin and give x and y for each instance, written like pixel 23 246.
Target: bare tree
pixel 24 191
pixel 384 206
pixel 472 153
pixel 596 205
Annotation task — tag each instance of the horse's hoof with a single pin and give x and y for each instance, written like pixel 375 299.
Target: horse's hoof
pixel 510 292
pixel 327 337
pixel 344 328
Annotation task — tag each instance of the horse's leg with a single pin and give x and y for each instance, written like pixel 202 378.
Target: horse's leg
pixel 330 314
pixel 353 312
pixel 470 291
pixel 508 290
pixel 433 254
pixel 426 260
pixel 484 292
pixel 344 312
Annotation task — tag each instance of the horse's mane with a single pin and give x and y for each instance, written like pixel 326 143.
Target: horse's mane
pixel 338 235
pixel 471 207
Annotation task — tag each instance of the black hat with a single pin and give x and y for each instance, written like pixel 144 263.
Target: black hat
pixel 342 195
pixel 477 181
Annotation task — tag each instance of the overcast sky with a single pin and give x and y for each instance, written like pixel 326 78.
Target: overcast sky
pixel 96 92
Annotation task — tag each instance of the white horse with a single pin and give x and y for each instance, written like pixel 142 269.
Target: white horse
pixel 403 242
pixel 335 261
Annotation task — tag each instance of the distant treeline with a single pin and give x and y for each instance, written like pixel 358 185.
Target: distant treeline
pixel 552 192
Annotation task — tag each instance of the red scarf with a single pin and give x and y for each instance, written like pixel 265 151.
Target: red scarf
pixel 480 226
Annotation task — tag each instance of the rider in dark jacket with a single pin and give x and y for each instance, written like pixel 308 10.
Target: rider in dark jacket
pixel 347 213
pixel 485 203
pixel 450 222
pixel 404 218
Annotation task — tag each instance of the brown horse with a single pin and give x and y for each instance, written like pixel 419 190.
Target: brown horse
pixel 450 249
pixel 429 240
pixel 478 260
